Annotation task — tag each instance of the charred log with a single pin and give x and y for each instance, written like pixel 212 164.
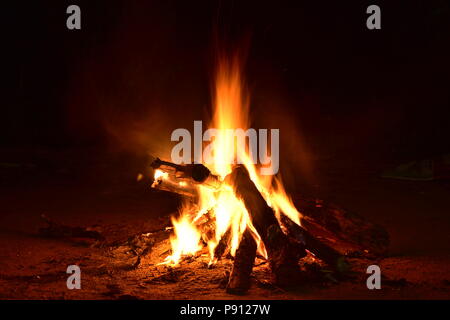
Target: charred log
pixel 343 230
pixel 222 245
pixel 320 249
pixel 283 253
pixel 239 281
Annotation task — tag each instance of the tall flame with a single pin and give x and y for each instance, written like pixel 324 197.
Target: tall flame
pixel 231 106
pixel 230 112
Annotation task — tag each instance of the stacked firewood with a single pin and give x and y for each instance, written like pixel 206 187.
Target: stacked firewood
pixel 328 232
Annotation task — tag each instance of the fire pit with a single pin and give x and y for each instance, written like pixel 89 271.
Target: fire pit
pixel 230 208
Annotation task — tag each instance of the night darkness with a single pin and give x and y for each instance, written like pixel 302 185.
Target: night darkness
pixel 83 109
pixel 332 70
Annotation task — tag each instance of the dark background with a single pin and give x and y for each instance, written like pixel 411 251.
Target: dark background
pixel 327 69
pixel 137 71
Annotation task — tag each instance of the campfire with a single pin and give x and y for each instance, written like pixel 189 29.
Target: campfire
pixel 231 209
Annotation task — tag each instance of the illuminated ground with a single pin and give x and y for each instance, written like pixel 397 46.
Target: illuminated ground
pixel 90 193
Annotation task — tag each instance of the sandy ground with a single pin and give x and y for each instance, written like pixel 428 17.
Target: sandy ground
pixel 104 195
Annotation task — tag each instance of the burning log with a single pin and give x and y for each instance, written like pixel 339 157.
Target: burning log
pixel 182 179
pixel 239 281
pixel 328 232
pixel 206 227
pixel 168 182
pixel 222 245
pixel 283 253
pixel 198 172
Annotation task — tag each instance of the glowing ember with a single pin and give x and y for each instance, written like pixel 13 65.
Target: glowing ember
pixel 159 175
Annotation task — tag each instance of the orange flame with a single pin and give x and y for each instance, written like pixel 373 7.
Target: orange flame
pixel 227 211
pixel 185 241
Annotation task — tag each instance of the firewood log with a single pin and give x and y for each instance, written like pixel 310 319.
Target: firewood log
pixel 283 253
pixel 320 249
pixel 239 281
pixel 343 230
pixel 222 245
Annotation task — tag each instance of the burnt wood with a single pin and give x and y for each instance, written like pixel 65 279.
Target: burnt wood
pixel 239 281
pixel 283 253
pixel 222 245
pixel 318 248
pixel 344 231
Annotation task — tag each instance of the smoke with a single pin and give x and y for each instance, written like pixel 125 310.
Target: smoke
pixel 136 83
